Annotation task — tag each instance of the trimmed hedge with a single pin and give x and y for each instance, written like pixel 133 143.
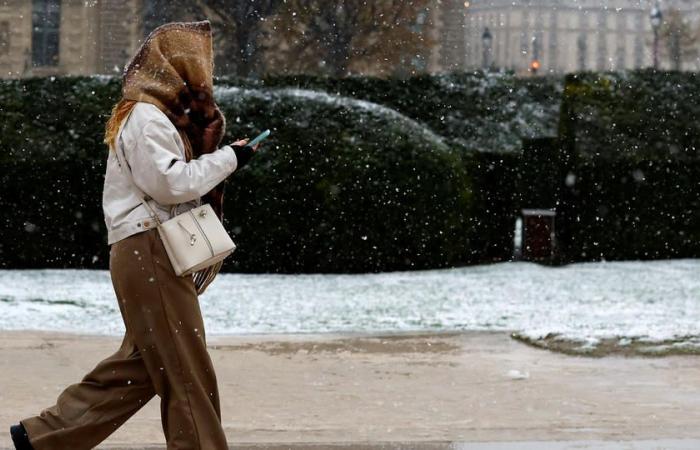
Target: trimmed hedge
pixel 485 112
pixel 478 111
pixel 55 118
pixel 632 210
pixel 366 174
pixel 342 186
pixel 633 115
pixel 630 166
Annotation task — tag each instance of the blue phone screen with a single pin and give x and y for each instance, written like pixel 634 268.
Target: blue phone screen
pixel 259 138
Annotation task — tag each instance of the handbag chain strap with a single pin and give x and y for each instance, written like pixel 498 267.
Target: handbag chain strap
pixel 142 196
pixel 191 235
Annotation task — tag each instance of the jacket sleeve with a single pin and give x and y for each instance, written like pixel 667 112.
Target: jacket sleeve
pixel 159 168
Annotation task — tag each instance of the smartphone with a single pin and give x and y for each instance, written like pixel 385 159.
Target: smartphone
pixel 259 138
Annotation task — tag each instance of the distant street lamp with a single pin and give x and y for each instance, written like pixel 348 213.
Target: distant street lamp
pixel 656 16
pixel 487 39
pixel 535 63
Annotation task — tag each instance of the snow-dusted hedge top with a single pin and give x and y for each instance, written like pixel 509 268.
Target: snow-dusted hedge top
pixel 488 112
pixel 637 115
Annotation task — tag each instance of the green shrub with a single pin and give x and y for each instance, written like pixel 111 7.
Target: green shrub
pixel 634 115
pixel 55 118
pixel 343 185
pixel 632 210
pixel 365 174
pixel 476 111
pixel 631 139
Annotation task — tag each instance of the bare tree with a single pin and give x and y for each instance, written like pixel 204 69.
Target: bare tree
pixel 237 29
pixel 158 12
pixel 681 39
pixel 346 36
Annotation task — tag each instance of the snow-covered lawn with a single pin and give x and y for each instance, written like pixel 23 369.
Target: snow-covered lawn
pixel 654 301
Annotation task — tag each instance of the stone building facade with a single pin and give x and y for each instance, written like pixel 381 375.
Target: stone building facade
pixel 561 35
pixel 81 37
pixel 449 53
pixel 77 37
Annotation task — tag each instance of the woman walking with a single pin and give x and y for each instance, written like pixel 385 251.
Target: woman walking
pixel 167 128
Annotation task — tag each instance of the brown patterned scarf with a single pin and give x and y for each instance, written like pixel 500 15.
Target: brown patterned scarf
pixel 173 69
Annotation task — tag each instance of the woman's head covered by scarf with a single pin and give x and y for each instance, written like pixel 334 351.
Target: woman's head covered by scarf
pixel 173 69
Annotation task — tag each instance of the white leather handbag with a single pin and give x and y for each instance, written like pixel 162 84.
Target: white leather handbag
pixel 194 239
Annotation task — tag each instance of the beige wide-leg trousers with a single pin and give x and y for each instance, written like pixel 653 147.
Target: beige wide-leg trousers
pixel 163 352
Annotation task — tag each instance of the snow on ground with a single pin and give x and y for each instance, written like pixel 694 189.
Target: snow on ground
pixel 652 301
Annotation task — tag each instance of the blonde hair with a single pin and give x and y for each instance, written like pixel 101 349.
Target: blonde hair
pixel 119 112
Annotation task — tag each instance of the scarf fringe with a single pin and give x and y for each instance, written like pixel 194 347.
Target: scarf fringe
pixel 204 277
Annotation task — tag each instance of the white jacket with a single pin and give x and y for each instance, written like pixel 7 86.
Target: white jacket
pixel 156 154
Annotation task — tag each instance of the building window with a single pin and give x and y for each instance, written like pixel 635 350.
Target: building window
pixel 582 46
pixel 621 53
pixel 4 38
pixel 638 45
pixel 524 47
pixel 602 36
pixel 552 39
pixel 46 20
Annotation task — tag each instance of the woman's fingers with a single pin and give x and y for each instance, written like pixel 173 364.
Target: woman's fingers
pixel 242 142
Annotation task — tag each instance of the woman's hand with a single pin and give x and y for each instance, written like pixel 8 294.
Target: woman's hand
pixel 243 142
pixel 243 153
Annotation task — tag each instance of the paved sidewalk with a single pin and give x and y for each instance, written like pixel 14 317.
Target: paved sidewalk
pixel 432 391
pixel 669 444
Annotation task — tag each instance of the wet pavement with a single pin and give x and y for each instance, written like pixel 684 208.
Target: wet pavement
pixel 662 444
pixel 430 391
